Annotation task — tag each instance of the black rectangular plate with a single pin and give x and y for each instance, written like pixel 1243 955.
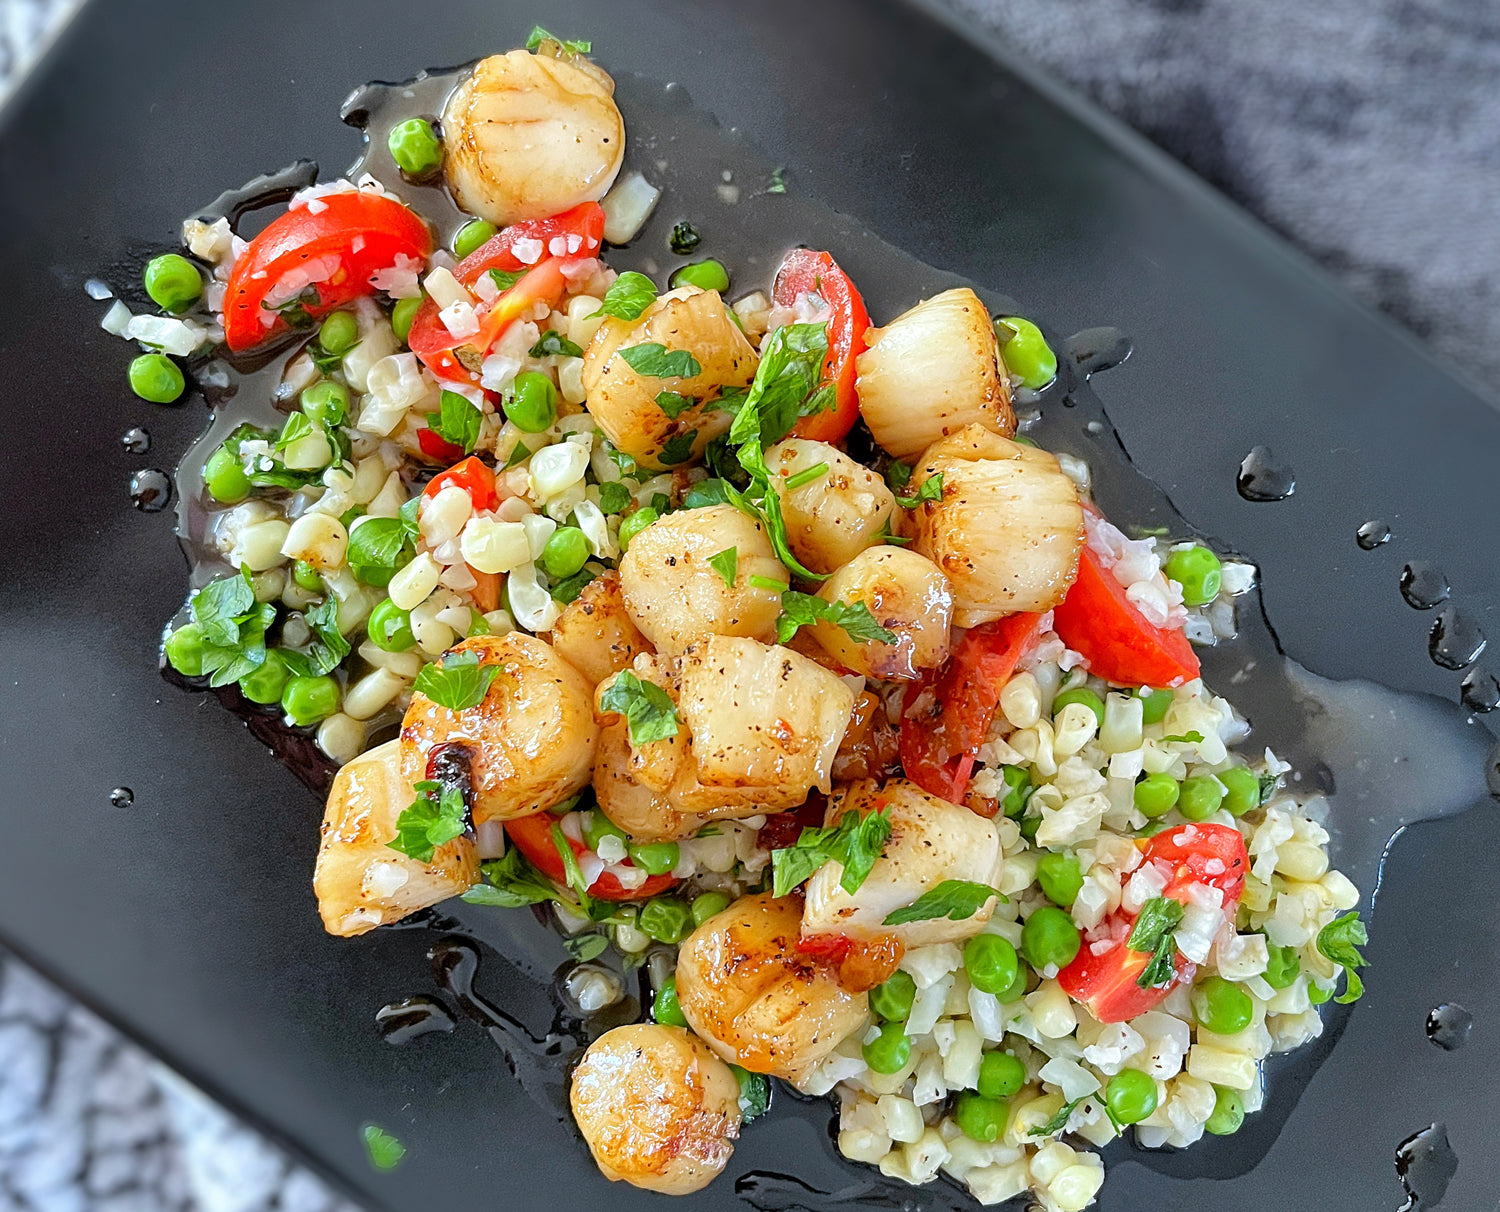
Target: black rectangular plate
pixel 188 918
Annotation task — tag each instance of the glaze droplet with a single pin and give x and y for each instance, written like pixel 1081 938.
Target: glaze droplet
pixel 402 1021
pixel 1455 641
pixel 1263 477
pixel 122 797
pixel 1372 534
pixel 1423 585
pixel 1480 691
pixel 1425 1164
pixel 1096 349
pixel 150 490
pixel 135 441
pixel 1448 1026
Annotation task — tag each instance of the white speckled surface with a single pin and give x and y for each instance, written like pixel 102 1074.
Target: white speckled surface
pixel 1366 131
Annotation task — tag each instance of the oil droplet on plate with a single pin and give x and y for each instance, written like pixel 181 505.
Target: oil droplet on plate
pixel 135 441
pixel 1425 1164
pixel 1264 477
pixel 401 1022
pixel 150 490
pixel 1455 641
pixel 1423 585
pixel 1480 691
pixel 1096 349
pixel 122 797
pixel 1448 1026
pixel 1372 534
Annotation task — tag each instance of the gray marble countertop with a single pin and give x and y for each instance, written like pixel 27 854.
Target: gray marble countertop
pixel 1365 131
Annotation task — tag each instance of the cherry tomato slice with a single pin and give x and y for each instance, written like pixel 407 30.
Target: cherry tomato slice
pixel 1202 854
pixel 532 836
pixel 356 232
pixel 585 221
pixel 438 448
pixel 807 271
pixel 1098 620
pixel 1106 983
pixel 473 477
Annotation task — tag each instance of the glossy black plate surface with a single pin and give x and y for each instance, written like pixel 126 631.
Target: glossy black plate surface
pixel 187 917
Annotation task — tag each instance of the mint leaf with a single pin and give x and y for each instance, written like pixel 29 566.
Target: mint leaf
pixel 614 497
pixel 511 882
pixel 898 476
pixel 584 947
pixel 791 364
pixel 297 425
pixel 329 646
pixel 1340 941
pixel 778 181
pixel 800 610
pixel 930 490
pixel 649 713
pixel 458 682
pixel 553 344
pixel 434 818
pixel 755 1093
pixel 379 543
pixel 855 842
pixel 956 900
pixel 458 422
pixel 726 564
pixel 384 1150
pixel 1153 933
pixel 678 448
pixel 627 297
pixel 220 605
pixel 504 279
pixel 654 361
pixel 576 46
pixel 673 403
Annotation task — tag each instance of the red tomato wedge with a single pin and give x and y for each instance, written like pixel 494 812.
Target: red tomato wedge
pixel 1098 620
pixel 473 477
pixel 806 271
pixel 431 341
pixel 1212 855
pixel 938 749
pixel 532 836
pixel 586 221
pixel 354 234
pixel 438 448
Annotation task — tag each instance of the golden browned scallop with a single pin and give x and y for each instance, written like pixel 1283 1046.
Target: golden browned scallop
pixel 905 593
pixel 359 880
pixel 657 1108
pixel 745 989
pixel 594 633
pixel 532 736
pixel 836 514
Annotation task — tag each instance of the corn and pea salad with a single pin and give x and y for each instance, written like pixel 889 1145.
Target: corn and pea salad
pixel 760 645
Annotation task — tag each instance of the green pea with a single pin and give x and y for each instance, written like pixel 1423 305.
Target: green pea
pixel 1241 790
pixel 980 1118
pixel 1199 573
pixel 665 1008
pixel 1228 1113
pixel 307 576
pixel 265 684
pixel 306 700
pixel 1282 967
pixel 990 962
pixel 224 478
pixel 1221 1006
pixel 327 403
pixel 470 236
pixel 655 858
pixel 1017 988
pixel 1201 797
pixel 1049 937
pixel 665 918
pixel 1029 826
pixel 707 905
pixel 339 332
pixel 534 406
pixel 889 1051
pixel 173 282
pixel 1025 351
pixel 1080 694
pixel 389 627
pixel 597 827
pixel 415 147
pixel 1156 794
pixel 1017 790
pixel 1060 877
pixel 1000 1075
pixel 892 999
pixel 705 275
pixel 566 552
pixel 1130 1096
pixel 156 377
pixel 1154 704
pixel 403 313
pixel 184 650
pixel 635 523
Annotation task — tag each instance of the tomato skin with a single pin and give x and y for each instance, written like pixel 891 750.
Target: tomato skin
pixel 431 341
pixel 383 226
pixel 1106 983
pixel 938 755
pixel 586 220
pixel 473 477
pixel 1099 621
pixel 532 836
pixel 806 271
pixel 438 448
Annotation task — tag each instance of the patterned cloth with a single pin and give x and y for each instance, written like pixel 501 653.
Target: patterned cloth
pixel 1366 131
